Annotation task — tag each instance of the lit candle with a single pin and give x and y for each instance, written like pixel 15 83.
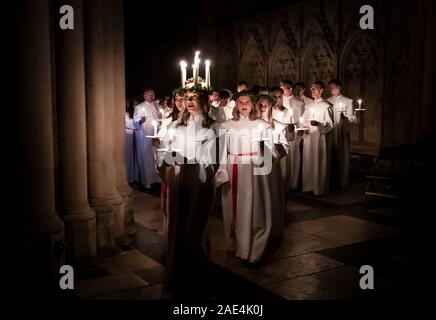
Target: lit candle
pixel 197 66
pixel 340 107
pixel 154 122
pixel 194 75
pixel 312 113
pixel 301 122
pixel 291 115
pixel 360 103
pixel 207 76
pixel 143 112
pixel 170 141
pixel 259 128
pixel 183 66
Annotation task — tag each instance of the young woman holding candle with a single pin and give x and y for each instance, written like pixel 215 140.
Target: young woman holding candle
pixel 187 165
pixel 245 178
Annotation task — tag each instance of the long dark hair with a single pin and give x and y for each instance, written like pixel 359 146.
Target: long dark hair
pixel 130 106
pixel 203 102
pixel 174 115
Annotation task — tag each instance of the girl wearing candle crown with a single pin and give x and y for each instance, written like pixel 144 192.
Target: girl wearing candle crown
pixel 188 168
pixel 245 175
pixel 318 121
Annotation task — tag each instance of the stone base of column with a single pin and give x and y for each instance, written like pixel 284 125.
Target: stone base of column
pixel 117 203
pixel 40 257
pixel 81 233
pixel 105 225
pixel 129 218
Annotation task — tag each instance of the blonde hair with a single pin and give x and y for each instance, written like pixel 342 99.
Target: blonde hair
pixel 270 119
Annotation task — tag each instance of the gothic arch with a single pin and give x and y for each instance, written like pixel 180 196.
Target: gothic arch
pixel 283 63
pixel 361 71
pixel 319 62
pixel 252 66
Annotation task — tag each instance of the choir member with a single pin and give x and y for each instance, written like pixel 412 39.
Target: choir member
pixel 343 115
pixel 145 114
pixel 299 90
pixel 187 165
pixel 246 185
pixel 131 144
pixel 317 142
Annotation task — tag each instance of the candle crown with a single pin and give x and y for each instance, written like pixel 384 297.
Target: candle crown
pixel 196 83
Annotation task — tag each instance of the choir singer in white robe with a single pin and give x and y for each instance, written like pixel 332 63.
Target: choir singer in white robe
pixel 343 114
pixel 245 177
pixel 145 113
pixel 131 145
pixel 317 118
pixel 188 165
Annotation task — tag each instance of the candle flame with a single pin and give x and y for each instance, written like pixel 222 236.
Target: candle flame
pixel 207 63
pixel 154 122
pixel 301 119
pixel 183 64
pixel 359 101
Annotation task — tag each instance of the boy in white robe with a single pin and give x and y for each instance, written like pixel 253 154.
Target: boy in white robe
pixel 317 143
pixel 343 114
pixel 143 118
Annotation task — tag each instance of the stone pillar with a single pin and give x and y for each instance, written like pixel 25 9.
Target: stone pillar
pixel 79 218
pixel 114 197
pixel 41 232
pixel 120 99
pixel 98 190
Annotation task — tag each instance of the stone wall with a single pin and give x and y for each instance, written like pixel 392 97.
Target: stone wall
pixel 319 40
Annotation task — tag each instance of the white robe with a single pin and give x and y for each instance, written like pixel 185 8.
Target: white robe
pixel 251 213
pixel 316 148
pixel 191 191
pixel 341 138
pixel 132 167
pixel 296 105
pixel 145 149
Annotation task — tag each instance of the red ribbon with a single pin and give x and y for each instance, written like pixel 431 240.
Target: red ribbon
pixel 235 187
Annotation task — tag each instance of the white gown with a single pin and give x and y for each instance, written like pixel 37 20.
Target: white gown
pixel 252 219
pixel 145 149
pixel 316 148
pixel 131 151
pixel 341 139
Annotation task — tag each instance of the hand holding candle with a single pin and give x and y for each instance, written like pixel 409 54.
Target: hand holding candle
pixel 170 140
pixel 154 122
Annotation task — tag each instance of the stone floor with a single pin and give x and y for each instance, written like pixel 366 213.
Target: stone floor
pixel 326 241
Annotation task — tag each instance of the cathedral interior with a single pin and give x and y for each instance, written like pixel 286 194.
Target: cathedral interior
pixel 76 208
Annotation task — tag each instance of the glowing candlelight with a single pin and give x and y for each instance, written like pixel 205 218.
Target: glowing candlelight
pixel 154 122
pixel 259 128
pixel 301 122
pixel 194 72
pixel 207 76
pixel 183 66
pixel 360 103
pixel 340 107
pixel 170 141
pixel 143 112
pixel 312 113
pixel 291 115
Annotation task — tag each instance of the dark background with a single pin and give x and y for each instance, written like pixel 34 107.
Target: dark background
pixel 159 34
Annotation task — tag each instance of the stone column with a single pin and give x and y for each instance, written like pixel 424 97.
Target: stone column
pixel 41 232
pixel 120 99
pixel 79 218
pixel 114 197
pixel 98 190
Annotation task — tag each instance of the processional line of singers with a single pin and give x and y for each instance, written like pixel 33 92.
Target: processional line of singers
pixel 257 147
